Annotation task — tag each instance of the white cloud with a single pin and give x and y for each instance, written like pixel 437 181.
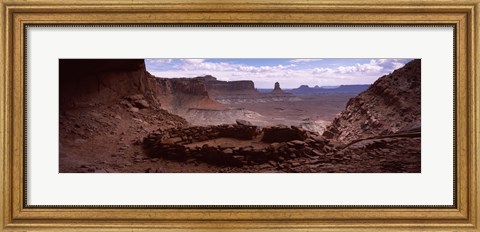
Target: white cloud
pixel 378 61
pixel 347 69
pixel 263 69
pixel 372 67
pixel 303 60
pixel 201 65
pixel 157 64
pixel 158 61
pixel 397 65
pixel 322 70
pixel 193 61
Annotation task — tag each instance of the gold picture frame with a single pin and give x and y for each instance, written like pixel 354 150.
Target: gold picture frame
pixel 16 14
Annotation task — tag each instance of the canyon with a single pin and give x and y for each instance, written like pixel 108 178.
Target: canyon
pixel 117 117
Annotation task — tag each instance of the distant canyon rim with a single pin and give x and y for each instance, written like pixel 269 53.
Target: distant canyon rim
pixel 117 117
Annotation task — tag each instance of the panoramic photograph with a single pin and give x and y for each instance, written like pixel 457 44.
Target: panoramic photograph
pixel 246 115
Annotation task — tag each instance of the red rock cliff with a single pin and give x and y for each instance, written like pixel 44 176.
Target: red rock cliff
pixel 191 86
pixel 216 87
pixel 181 94
pixel 390 105
pixel 92 81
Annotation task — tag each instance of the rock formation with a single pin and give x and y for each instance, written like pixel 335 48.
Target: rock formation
pixel 233 92
pixel 203 92
pixel 193 86
pixel 216 87
pixel 279 143
pixel 104 106
pixel 203 86
pixel 389 106
pixel 277 88
pixel 98 81
pixel 178 95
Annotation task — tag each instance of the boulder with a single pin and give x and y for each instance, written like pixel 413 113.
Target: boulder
pixel 298 143
pixel 328 134
pixel 241 122
pixel 134 109
pixel 275 146
pixel 142 104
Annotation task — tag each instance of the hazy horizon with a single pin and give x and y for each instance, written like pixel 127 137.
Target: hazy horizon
pixel 290 73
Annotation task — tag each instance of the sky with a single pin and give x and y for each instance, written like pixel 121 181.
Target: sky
pixel 290 73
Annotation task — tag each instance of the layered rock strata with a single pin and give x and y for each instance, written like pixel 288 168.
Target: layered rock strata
pixel 390 105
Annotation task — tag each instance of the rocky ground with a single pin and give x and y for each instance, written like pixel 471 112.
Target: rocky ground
pixel 107 138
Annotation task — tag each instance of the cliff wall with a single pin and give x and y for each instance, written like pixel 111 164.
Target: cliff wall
pixel 99 81
pixel 388 106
